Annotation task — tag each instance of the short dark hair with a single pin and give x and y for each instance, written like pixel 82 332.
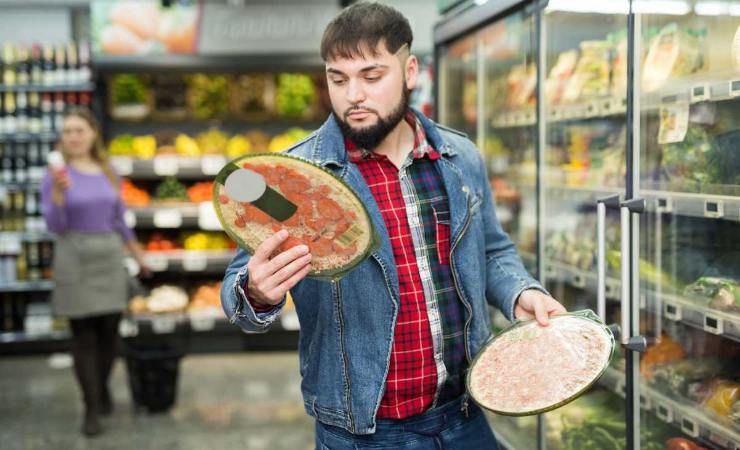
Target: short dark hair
pixel 363 26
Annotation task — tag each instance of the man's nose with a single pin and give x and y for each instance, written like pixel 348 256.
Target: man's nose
pixel 355 93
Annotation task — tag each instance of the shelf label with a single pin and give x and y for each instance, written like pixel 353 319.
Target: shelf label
pixel 713 324
pixel 212 164
pixel 592 109
pixel 606 106
pixel 128 328
pixel 664 205
pixel 202 322
pixel 123 165
pixel 166 165
pixel 578 281
pixel 129 217
pixel 713 209
pixel 194 262
pixel 168 218
pixel 289 321
pixel 645 402
pixel 207 218
pixel 735 88
pixel 700 93
pixel 611 290
pixel 690 427
pixel 672 311
pixel 664 413
pixel 157 262
pixel 164 324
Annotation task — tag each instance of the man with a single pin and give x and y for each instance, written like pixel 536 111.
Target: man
pixel 384 351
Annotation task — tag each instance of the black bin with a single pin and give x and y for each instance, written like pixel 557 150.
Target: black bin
pixel 152 375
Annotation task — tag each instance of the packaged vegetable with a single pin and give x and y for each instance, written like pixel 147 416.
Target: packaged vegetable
pixel 665 351
pixel 724 293
pixel 723 394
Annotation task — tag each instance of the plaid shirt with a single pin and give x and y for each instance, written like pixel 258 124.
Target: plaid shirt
pixel 428 355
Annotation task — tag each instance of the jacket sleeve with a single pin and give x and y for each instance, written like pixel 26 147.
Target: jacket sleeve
pixel 506 276
pixel 235 302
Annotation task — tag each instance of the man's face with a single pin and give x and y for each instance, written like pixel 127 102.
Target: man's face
pixel 369 95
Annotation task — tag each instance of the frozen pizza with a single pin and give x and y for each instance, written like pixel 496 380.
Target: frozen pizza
pixel 529 369
pixel 323 212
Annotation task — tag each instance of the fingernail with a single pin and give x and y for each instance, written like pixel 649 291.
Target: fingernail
pixel 303 248
pixel 283 233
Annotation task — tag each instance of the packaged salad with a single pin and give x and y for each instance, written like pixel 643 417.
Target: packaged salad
pixel 529 369
pixel 257 195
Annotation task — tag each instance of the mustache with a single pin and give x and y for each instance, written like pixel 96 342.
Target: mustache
pixel 358 108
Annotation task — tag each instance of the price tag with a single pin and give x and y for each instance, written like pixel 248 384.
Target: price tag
pixel 592 109
pixel 690 427
pixel 212 164
pixel 606 106
pixel 194 262
pixel 163 324
pixel 167 218
pixel 578 281
pixel 611 290
pixel 166 165
pixel 664 413
pixel 128 328
pixel 735 88
pixel 202 322
pixel 672 311
pixel 713 324
pixel 157 262
pixel 129 217
pixel 713 209
pixel 700 93
pixel 663 205
pixel 207 218
pixel 645 402
pixel 289 321
pixel 531 118
pixel 123 165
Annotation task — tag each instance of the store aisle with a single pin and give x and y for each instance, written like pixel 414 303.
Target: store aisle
pixel 240 401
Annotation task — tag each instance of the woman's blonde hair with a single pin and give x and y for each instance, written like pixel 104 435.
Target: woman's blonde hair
pixel 99 154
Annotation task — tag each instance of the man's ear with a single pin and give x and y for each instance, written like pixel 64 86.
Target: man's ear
pixel 411 70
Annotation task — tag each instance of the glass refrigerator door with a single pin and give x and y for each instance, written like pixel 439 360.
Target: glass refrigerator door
pixel 585 70
pixel 508 143
pixel 689 235
pixel 458 85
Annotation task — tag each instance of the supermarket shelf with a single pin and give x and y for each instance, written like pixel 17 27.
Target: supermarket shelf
pixel 671 307
pixel 594 109
pixel 27 286
pixel 270 125
pixel 27 236
pixel 694 89
pixel 695 205
pixel 195 322
pixel 185 216
pixel 85 87
pixel 189 261
pixel 23 337
pixel 203 63
pixel 47 136
pixel 688 417
pixel 162 166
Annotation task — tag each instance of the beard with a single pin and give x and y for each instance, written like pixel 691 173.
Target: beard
pixel 371 136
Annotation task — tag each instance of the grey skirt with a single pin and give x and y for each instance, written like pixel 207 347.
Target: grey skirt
pixel 89 275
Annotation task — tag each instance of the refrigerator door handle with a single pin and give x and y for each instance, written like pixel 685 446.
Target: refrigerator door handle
pixel 601 205
pixel 624 216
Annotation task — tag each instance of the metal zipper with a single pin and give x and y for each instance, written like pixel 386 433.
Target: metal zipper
pixel 348 397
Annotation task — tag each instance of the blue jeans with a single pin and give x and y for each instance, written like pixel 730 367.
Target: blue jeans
pixel 443 428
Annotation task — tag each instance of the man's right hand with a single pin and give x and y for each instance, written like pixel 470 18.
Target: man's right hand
pixel 270 279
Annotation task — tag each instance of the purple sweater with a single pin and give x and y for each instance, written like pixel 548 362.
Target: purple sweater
pixel 91 205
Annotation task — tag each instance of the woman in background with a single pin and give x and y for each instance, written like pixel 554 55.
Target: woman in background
pixel 82 206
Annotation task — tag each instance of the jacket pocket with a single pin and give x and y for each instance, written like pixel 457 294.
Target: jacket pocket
pixel 442 234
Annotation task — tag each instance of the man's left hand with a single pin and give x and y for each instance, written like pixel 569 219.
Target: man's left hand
pixel 535 304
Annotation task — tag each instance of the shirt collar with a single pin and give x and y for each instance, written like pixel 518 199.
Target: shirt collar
pixel 421 149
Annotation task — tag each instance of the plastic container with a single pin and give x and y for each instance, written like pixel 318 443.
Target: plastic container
pixel 257 195
pixel 529 369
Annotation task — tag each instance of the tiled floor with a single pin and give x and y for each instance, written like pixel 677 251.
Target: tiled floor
pixel 235 401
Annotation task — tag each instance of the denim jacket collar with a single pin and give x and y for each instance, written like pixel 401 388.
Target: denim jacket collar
pixel 328 148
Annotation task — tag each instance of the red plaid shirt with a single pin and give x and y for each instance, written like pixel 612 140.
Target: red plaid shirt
pixel 412 377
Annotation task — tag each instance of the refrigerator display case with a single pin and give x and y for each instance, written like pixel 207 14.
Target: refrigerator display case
pixel 622 194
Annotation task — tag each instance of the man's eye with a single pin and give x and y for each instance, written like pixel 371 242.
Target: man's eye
pixel 337 81
pixel 372 79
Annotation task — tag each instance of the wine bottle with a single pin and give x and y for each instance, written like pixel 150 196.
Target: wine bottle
pixel 34 113
pixel 47 117
pixel 58 111
pixel 23 69
pixel 20 164
pixel 49 68
pixel 60 72
pixel 10 125
pixel 9 73
pixel 84 62
pixel 37 63
pixel 72 67
pixel 21 113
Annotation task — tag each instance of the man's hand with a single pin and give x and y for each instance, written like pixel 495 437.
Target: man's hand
pixel 534 304
pixel 270 279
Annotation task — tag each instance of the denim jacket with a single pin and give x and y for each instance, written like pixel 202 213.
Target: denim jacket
pixel 347 326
